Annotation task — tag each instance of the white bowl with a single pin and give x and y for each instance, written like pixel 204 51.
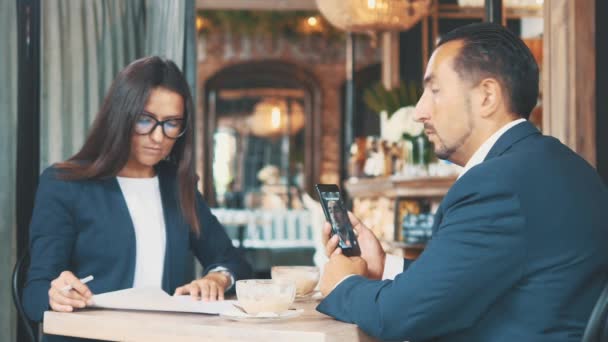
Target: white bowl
pixel 265 295
pixel 305 277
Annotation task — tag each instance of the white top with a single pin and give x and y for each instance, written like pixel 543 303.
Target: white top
pixel 393 265
pixel 145 207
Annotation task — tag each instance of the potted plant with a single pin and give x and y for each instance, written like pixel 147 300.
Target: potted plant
pixel 396 110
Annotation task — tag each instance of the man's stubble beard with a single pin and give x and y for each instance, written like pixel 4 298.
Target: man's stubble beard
pixel 443 151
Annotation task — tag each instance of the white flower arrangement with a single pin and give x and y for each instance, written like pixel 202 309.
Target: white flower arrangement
pixel 400 123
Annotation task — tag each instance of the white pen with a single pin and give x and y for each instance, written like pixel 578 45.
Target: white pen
pixel 83 280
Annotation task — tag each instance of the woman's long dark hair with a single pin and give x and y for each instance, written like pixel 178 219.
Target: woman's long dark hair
pixel 108 144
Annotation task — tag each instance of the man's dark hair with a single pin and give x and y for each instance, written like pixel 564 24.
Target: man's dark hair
pixel 491 50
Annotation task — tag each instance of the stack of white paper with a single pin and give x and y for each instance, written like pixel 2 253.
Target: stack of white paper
pixel 155 299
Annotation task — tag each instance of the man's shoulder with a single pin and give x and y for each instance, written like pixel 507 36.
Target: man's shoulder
pixel 487 175
pixel 512 167
pixel 537 163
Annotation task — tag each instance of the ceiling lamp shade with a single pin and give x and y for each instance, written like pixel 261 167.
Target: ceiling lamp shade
pixel 270 118
pixel 367 16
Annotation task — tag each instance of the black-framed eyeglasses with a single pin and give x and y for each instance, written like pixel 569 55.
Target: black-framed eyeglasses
pixel 146 123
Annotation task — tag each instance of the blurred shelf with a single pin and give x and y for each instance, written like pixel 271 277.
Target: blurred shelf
pixel 394 187
pixel 453 11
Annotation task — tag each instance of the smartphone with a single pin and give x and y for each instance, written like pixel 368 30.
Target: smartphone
pixel 337 216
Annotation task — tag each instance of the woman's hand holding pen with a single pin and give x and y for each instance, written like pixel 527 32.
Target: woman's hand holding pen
pixel 68 292
pixel 209 288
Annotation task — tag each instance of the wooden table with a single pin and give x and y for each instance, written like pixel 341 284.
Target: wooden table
pixel 125 325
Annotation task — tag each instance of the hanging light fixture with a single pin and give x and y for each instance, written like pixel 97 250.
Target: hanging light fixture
pixel 370 16
pixel 271 116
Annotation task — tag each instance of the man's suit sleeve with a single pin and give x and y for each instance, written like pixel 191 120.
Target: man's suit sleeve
pixel 52 236
pixel 213 248
pixel 474 257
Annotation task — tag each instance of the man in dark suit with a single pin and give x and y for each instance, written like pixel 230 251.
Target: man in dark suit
pixel 519 242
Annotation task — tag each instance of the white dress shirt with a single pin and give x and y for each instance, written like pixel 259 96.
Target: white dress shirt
pixel 393 265
pixel 145 207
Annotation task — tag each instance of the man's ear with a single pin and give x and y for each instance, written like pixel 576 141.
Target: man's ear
pixel 489 96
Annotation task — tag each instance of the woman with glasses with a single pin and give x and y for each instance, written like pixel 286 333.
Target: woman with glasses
pixel 125 208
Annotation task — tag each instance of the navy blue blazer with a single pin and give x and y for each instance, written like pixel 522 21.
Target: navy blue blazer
pixel 518 254
pixel 85 227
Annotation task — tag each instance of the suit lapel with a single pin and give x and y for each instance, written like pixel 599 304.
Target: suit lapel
pixel 122 215
pixel 170 212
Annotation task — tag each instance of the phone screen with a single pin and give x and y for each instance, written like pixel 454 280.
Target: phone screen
pixel 336 214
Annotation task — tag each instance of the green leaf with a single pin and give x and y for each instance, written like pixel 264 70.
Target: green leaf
pixel 378 98
pixel 403 93
pixel 373 99
pixel 414 93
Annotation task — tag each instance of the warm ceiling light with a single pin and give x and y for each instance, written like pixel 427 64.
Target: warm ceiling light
pixel 270 119
pixel 374 15
pixel 312 21
pixel 199 23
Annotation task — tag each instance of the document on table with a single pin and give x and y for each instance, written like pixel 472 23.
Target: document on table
pixel 155 299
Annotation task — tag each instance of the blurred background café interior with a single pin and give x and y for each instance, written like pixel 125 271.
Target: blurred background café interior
pixel 288 93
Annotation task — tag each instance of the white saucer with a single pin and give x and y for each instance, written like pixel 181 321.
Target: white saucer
pixel 314 295
pixel 237 315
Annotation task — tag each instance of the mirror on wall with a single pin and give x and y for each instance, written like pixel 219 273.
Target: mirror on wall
pixel 261 129
pixel 258 151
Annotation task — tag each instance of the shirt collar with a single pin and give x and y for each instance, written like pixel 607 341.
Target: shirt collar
pixel 483 150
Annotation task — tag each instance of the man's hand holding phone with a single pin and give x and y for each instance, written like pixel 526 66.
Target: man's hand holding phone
pixel 338 268
pixel 352 248
pixel 371 250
